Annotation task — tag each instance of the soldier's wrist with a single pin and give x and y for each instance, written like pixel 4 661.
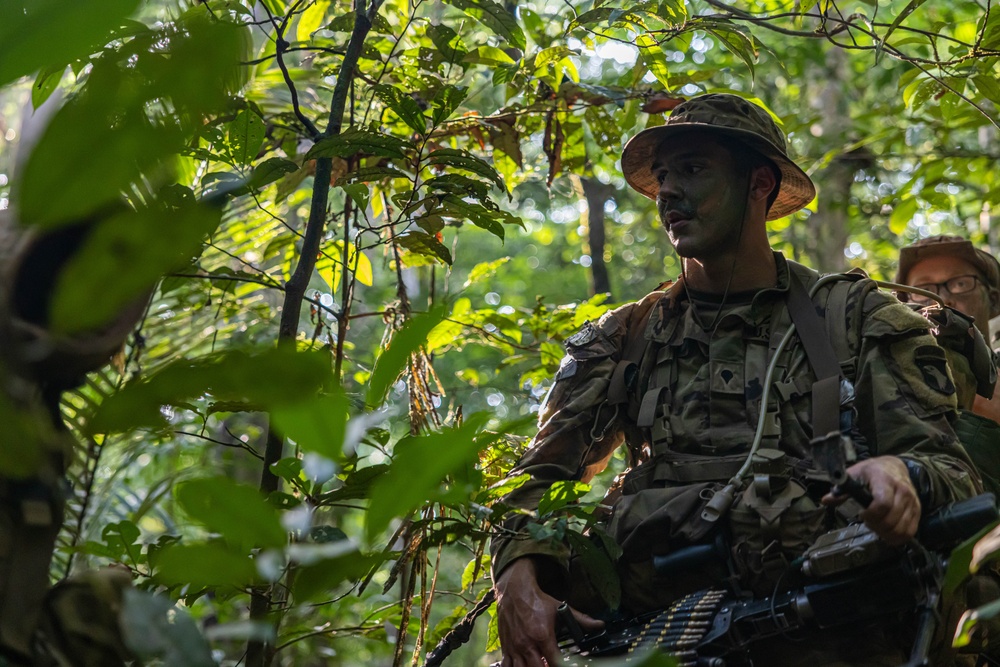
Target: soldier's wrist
pixel 920 479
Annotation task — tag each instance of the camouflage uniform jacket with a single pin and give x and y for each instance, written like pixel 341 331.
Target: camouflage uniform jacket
pixel 710 393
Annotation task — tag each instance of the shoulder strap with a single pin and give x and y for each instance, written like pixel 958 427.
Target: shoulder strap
pixel 822 358
pixel 626 372
pixel 844 326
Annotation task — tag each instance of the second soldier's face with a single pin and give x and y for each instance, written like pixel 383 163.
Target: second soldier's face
pixel 939 269
pixel 702 194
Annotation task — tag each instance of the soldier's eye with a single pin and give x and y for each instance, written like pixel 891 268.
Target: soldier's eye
pixel 962 284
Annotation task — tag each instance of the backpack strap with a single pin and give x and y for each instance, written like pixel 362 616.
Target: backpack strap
pixel 822 358
pixel 845 317
pixel 625 376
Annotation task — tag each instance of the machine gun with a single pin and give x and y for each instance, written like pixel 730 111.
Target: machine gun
pixel 848 576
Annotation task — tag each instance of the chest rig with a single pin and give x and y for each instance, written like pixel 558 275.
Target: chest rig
pixel 698 395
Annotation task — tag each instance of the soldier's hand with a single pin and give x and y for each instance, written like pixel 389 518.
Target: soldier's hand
pixel 526 618
pixel 894 513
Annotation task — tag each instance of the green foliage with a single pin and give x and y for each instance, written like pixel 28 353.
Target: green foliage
pixel 231 376
pixel 393 358
pixel 189 137
pixel 421 469
pixel 154 628
pixel 47 33
pixel 235 511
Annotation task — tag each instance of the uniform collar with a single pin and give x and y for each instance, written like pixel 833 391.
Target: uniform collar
pixel 673 307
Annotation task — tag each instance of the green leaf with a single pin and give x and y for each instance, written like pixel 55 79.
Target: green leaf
pixel 902 213
pixel 153 627
pixel 446 101
pixel 246 135
pixel 737 42
pixel 476 213
pixel 356 485
pixel 121 538
pixel 493 631
pixel 288 468
pixel 484 270
pixel 392 361
pixel 312 18
pixel 591 17
pixel 466 161
pixel 203 565
pixel 553 55
pixel 231 375
pixel 368 174
pixel 419 467
pixel 449 330
pixel 269 171
pixel 45 84
pixel 988 86
pixel 315 582
pixel 353 141
pixel 495 17
pixel 359 193
pixel 110 125
pixel 447 42
pixel 425 244
pixel 473 567
pixel 461 186
pixel 236 511
pixel 121 260
pixel 403 106
pixel 316 424
pixel 561 494
pixel 601 570
pixel 488 55
pixel 896 22
pixel 918 91
pixel 36 34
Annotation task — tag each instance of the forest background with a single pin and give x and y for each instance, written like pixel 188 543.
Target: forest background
pixel 377 221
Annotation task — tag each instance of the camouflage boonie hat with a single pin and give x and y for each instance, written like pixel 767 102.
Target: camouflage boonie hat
pixel 734 117
pixel 949 246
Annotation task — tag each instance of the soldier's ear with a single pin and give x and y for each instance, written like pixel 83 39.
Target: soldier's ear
pixel 762 182
pixel 994 301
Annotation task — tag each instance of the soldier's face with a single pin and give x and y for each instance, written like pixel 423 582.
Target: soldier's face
pixel 939 269
pixel 702 196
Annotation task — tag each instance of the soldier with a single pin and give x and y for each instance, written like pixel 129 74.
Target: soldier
pixel 710 376
pixel 40 625
pixel 966 279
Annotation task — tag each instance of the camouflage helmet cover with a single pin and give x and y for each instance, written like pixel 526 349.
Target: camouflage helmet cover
pixel 728 115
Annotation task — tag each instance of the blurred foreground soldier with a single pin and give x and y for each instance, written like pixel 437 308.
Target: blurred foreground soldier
pixel 734 390
pixel 76 622
pixel 967 280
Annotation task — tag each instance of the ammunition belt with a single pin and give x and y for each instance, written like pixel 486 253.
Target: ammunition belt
pixel 679 629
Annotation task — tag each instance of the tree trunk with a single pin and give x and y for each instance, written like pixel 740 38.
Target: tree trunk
pixel 597 194
pixel 829 225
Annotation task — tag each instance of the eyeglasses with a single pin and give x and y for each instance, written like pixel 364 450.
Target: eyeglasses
pixel 954 286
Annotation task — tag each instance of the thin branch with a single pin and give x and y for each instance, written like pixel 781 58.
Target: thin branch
pixel 242 445
pixel 943 83
pixel 318 49
pixel 295 288
pixel 388 58
pixel 280 46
